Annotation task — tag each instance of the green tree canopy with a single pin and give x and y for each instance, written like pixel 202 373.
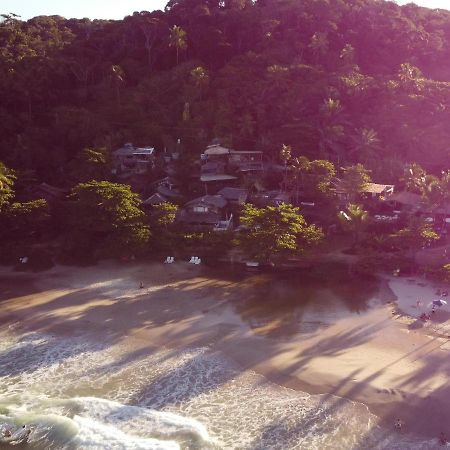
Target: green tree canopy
pixel 106 217
pixel 415 236
pixel 354 179
pixel 275 232
pixel 7 177
pixel 90 164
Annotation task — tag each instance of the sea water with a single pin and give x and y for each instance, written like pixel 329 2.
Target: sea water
pixel 77 393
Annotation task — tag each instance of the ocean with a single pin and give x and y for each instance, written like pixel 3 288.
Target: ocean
pixel 80 393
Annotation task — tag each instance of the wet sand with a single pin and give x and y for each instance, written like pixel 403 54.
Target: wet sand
pixel 379 356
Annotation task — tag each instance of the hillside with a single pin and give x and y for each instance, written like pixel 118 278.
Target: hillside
pixel 347 80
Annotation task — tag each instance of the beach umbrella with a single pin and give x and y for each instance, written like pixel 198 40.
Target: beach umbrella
pixel 439 302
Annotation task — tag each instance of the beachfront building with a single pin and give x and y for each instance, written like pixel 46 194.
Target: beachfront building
pixel 375 191
pixel 370 192
pixel 207 212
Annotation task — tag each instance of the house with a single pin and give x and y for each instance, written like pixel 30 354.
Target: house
pixel 168 189
pixel 271 198
pixel 372 191
pixel 246 161
pixel 154 199
pixel 215 152
pixel 213 168
pixel 130 160
pixel 234 196
pixel 378 191
pixel 220 160
pixel 215 182
pixel 205 212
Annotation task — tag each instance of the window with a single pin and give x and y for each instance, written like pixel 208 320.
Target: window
pixel 201 209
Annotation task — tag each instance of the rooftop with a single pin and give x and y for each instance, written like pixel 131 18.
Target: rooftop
pixel 234 194
pixel 215 200
pixel 406 198
pixel 219 177
pixel 375 188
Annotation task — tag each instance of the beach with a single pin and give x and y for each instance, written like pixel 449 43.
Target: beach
pixel 380 356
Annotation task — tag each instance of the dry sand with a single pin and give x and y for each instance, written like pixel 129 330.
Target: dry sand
pixel 384 358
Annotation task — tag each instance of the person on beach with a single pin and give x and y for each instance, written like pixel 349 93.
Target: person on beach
pixel 398 425
pixel 443 439
pixel 141 285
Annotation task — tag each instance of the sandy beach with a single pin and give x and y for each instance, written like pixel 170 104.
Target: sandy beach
pixel 383 357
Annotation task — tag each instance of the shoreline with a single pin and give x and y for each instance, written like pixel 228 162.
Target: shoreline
pixel 347 359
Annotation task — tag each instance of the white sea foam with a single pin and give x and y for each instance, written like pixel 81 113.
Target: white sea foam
pixel 87 395
pixel 95 435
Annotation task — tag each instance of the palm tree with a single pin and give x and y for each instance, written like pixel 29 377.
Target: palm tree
pixel 365 144
pixel 415 178
pixel 299 167
pixel 354 219
pixel 285 156
pixel 178 39
pixel 117 76
pixel 354 179
pixel 411 77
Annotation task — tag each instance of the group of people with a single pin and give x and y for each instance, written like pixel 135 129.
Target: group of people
pixel 427 316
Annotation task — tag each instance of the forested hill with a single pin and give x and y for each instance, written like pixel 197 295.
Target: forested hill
pixel 348 80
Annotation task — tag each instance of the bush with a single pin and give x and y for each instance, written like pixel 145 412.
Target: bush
pixel 380 262
pixel 439 273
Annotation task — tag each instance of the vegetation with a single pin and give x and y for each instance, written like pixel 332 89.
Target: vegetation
pixel 415 236
pixel 105 217
pixel 275 233
pixel 359 81
pixel 354 219
pixel 353 89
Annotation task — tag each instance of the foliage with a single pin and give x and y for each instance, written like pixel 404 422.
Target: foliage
pixel 415 236
pixel 207 244
pixel 361 83
pixel 274 233
pixel 312 177
pixel 178 39
pixel 7 178
pixel 25 219
pixel 164 214
pixel 21 223
pixel 90 164
pixel 259 74
pixel 371 263
pixel 106 217
pixel 165 235
pixel 354 219
pixel 439 273
pixel 354 179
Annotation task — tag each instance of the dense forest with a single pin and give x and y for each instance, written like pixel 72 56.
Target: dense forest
pixel 355 88
pixel 347 80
